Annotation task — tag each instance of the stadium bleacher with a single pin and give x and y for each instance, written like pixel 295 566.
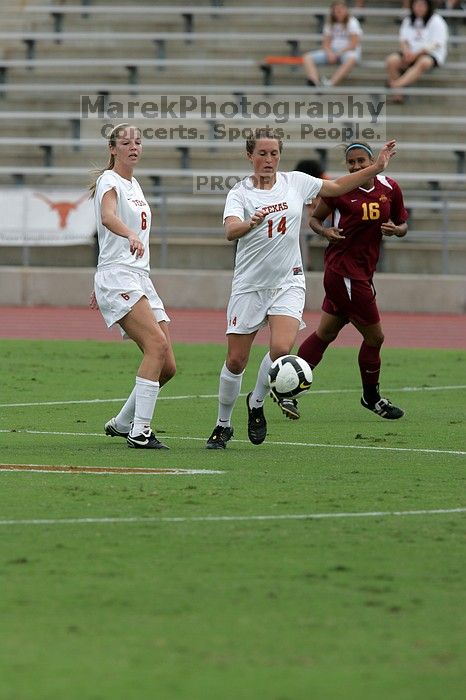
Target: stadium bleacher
pixel 51 54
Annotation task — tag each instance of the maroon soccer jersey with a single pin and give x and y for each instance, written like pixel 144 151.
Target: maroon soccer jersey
pixel 360 213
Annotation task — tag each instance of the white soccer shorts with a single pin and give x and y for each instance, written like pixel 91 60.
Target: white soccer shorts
pixel 248 312
pixel 117 289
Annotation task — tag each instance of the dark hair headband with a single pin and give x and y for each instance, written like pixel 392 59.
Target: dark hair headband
pixel 359 145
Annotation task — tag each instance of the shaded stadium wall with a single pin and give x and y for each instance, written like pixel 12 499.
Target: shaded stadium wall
pixel 29 286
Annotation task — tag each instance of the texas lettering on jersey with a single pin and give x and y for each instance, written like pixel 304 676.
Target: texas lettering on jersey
pixel 271 208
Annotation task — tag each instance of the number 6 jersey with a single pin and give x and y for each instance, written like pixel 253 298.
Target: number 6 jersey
pixel 133 210
pixel 269 256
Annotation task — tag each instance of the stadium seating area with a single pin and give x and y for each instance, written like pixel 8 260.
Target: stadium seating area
pixel 114 51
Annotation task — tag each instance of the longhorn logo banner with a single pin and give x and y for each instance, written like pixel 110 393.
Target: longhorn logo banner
pixel 35 216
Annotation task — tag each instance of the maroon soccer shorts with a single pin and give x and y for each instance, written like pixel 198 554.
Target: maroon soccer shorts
pixel 352 299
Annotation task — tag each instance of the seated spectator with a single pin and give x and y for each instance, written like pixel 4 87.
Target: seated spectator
pixel 451 5
pixel 341 46
pixel 423 41
pixel 453 22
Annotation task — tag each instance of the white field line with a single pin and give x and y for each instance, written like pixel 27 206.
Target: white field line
pixel 229 518
pixel 269 442
pixel 126 471
pixel 215 396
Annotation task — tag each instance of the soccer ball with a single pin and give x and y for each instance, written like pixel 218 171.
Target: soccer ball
pixel 289 376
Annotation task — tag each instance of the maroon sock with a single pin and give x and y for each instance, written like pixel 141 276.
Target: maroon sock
pixel 312 349
pixel 369 367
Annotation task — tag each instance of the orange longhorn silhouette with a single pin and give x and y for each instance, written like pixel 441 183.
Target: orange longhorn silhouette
pixel 63 209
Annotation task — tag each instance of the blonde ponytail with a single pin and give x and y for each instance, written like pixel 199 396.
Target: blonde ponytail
pixel 97 172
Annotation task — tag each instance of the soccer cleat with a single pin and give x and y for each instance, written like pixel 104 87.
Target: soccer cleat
pixel 219 438
pixel 289 407
pixel 384 408
pixel 257 425
pixel 110 429
pixel 146 441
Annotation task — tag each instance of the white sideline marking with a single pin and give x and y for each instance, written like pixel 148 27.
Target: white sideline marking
pixel 127 471
pixel 269 442
pixel 215 396
pixel 230 518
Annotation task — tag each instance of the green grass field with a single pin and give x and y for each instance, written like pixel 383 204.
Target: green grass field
pixel 294 574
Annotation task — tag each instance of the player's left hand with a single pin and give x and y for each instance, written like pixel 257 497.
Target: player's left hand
pixel 389 228
pixel 387 152
pixel 93 302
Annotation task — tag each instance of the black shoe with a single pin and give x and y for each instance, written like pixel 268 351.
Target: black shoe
pixel 257 425
pixel 146 441
pixel 219 438
pixel 111 430
pixel 384 408
pixel 289 407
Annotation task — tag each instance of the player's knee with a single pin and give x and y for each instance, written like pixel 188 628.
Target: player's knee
pixel 168 371
pixel 236 363
pixel 375 340
pixel 156 345
pixel 327 336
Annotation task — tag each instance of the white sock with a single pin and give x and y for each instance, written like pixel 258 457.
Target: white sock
pixel 125 417
pixel 146 393
pixel 228 392
pixel 256 400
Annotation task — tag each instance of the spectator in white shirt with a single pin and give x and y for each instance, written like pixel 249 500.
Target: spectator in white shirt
pixel 423 42
pixel 341 46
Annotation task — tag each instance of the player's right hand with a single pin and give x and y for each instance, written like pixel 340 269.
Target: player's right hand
pixel 333 234
pixel 258 217
pixel 136 246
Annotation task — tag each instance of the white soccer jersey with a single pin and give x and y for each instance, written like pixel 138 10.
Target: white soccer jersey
pixel 133 210
pixel 269 256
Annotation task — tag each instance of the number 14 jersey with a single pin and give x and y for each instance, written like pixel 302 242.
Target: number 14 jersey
pixel 269 256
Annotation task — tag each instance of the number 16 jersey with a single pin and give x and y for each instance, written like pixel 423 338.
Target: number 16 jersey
pixel 360 213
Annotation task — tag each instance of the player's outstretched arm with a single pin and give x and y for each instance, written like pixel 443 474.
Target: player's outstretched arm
pixel 346 183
